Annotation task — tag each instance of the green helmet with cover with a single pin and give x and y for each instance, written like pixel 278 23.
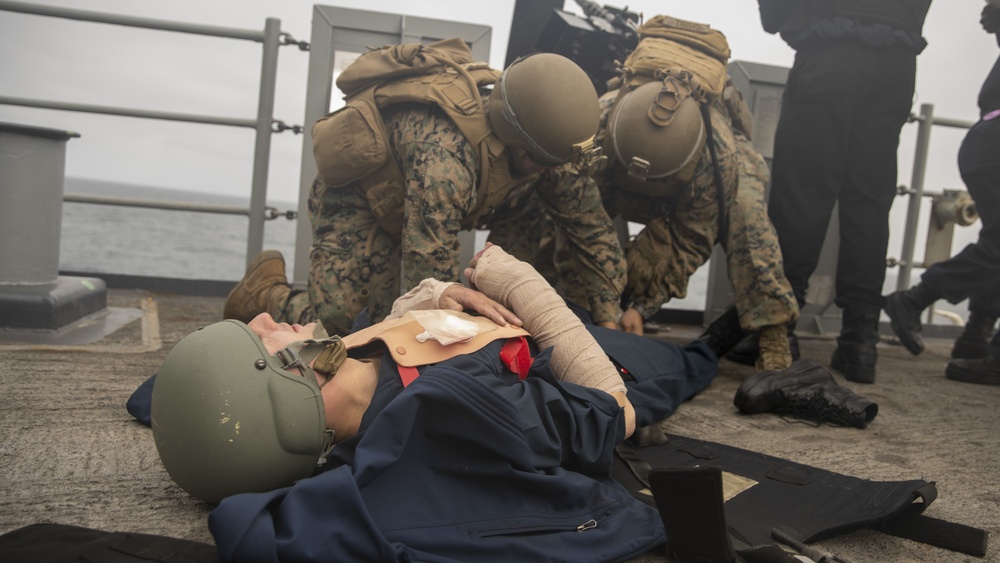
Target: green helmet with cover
pixel 654 132
pixel 546 104
pixel 228 417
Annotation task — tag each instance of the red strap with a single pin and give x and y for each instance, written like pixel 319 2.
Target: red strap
pixel 516 355
pixel 407 375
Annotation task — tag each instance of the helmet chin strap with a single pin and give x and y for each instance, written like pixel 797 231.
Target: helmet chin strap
pixel 329 353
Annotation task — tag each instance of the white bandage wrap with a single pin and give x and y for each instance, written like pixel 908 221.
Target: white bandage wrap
pixel 576 356
pixel 427 295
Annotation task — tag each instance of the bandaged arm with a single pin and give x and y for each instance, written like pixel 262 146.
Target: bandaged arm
pixel 576 356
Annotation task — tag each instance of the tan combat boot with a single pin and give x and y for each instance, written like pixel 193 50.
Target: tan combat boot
pixel 263 288
pixel 775 355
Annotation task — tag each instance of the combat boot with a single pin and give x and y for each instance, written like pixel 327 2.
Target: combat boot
pixel 974 341
pixel 263 289
pixel 855 355
pixel 724 332
pixel 984 371
pixel 774 349
pixel 805 390
pixel 904 308
pixel 748 350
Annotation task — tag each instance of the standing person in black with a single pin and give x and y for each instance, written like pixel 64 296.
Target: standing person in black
pixel 974 273
pixel 848 95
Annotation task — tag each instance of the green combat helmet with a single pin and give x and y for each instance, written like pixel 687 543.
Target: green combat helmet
pixel 546 104
pixel 654 132
pixel 230 418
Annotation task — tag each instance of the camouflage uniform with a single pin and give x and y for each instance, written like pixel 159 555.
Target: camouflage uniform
pixel 564 213
pixel 683 227
pixel 357 264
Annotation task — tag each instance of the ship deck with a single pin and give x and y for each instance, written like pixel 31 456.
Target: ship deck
pixel 71 454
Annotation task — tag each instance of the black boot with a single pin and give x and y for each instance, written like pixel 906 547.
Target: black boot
pixel 748 350
pixel 724 332
pixel 974 341
pixel 805 390
pixel 856 355
pixel 985 370
pixel 904 308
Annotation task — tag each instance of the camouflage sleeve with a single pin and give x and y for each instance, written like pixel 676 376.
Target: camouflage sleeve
pixel 588 238
pixel 439 170
pixel 668 251
pixel 755 267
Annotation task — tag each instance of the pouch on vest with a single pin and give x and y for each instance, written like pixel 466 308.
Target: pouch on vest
pixel 349 143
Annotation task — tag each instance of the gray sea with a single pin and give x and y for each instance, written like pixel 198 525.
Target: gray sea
pixel 99 238
pixel 206 246
pixel 111 239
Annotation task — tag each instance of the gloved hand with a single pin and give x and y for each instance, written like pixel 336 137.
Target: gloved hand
pixel 647 261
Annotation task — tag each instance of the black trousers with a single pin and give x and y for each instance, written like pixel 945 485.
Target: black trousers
pixel 974 273
pixel 843 108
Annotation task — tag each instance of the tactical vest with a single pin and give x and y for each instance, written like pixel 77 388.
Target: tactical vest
pixel 761 493
pixel 351 144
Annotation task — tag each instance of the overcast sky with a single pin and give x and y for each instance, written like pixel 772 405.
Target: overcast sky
pixel 66 60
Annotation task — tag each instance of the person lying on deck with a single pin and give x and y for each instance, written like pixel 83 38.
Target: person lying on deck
pixel 515 422
pixel 433 434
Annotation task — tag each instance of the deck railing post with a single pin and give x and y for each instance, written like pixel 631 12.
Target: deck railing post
pixel 262 149
pixel 925 123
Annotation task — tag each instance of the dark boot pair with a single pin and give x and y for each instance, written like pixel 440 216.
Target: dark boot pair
pixel 972 361
pixel 808 391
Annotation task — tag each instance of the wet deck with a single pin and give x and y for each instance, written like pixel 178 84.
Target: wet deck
pixel 71 454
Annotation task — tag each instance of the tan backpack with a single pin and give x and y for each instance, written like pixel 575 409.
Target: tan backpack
pixel 675 46
pixel 351 144
pixel 691 53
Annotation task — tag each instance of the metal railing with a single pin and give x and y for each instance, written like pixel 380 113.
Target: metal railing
pixel 264 123
pixel 925 122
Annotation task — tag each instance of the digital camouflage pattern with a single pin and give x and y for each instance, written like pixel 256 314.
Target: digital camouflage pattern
pixel 566 212
pixel 683 227
pixel 356 264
